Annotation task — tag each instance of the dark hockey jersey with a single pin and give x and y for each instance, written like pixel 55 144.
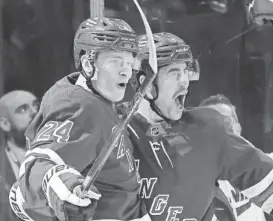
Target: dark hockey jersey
pixel 72 127
pixel 179 165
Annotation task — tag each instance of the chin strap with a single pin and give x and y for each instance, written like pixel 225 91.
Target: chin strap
pixel 157 110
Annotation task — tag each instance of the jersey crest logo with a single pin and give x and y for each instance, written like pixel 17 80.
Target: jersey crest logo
pixel 155 130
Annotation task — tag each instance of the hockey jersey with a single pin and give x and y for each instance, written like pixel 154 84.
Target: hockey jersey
pixel 243 208
pixel 71 128
pixel 180 163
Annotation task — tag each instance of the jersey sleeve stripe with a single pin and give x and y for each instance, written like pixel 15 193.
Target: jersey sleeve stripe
pixel 16 201
pixel 229 190
pixel 144 218
pixel 132 129
pixel 258 188
pixel 270 155
pixel 49 152
pixel 268 205
pixel 243 207
pixel 40 153
pixel 214 218
pixel 23 165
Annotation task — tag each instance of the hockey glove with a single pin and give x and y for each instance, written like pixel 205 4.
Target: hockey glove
pixel 261 12
pixel 61 185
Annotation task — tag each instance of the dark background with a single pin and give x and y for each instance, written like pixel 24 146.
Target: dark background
pixel 37 50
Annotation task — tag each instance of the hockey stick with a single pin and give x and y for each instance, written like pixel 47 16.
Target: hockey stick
pixel 111 142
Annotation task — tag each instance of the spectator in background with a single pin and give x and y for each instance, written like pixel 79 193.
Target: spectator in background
pixel 230 204
pixel 17 109
pixel 223 105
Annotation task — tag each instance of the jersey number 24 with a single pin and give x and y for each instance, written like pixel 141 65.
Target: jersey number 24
pixel 58 131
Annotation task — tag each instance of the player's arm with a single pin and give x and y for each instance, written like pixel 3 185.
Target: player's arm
pixel 62 148
pixel 248 169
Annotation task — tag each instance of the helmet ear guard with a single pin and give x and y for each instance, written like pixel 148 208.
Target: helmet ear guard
pixel 154 92
pixel 135 83
pixel 141 68
pixel 91 57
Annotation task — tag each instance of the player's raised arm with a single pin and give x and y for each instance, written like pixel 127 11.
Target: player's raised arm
pixel 249 169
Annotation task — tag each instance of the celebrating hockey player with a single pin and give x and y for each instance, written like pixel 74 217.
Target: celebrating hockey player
pixel 180 154
pixel 77 116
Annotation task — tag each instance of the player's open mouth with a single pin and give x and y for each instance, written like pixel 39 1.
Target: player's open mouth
pixel 122 85
pixel 179 100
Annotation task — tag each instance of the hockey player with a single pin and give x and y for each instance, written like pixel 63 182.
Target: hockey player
pixel 76 117
pixel 181 154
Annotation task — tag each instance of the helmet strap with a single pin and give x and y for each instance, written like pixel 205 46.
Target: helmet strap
pixel 152 100
pixel 154 90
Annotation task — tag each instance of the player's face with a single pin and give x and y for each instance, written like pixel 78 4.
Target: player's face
pixel 114 72
pixel 173 83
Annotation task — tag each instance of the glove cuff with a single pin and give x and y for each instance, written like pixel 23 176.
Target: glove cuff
pixel 17 201
pixel 52 181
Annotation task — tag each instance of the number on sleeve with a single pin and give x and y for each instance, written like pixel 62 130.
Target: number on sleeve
pixel 46 132
pixel 54 129
pixel 62 132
